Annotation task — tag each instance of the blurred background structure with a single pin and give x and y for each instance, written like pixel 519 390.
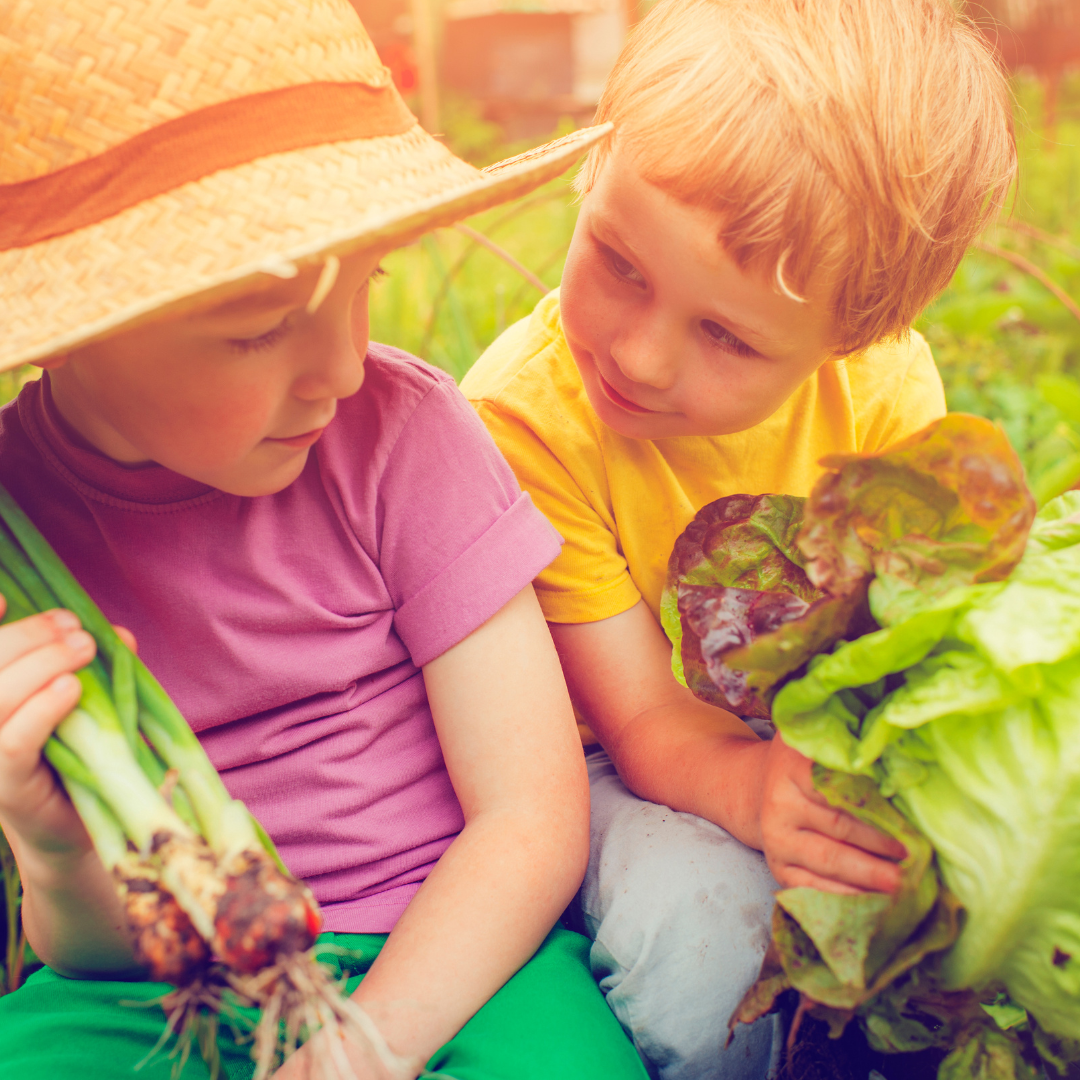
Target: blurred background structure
pixel 524 63
pixel 1040 36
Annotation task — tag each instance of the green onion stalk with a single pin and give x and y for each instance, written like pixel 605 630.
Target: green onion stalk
pixel 209 904
pixel 11 966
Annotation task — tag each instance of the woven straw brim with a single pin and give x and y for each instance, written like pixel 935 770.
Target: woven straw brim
pixel 181 250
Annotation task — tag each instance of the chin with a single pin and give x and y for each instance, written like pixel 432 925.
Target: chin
pixel 251 484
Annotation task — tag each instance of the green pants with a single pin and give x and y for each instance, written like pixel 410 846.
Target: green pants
pixel 549 1022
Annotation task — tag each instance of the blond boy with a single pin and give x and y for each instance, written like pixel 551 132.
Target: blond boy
pixel 788 185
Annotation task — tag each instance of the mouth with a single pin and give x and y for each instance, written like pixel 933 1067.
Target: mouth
pixel 302 441
pixel 623 402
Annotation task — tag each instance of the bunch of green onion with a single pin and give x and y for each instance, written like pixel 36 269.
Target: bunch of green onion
pixel 209 904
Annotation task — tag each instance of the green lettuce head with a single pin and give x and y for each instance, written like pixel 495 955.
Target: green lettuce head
pixel 978 746
pixel 952 716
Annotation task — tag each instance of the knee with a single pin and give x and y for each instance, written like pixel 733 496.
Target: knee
pixel 688 899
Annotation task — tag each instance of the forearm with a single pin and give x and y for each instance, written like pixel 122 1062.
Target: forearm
pixel 668 746
pixel 481 913
pixel 693 758
pixel 72 916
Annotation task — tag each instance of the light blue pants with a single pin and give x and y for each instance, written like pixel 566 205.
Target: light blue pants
pixel 679 912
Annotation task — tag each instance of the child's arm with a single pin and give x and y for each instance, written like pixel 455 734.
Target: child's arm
pixel 70 910
pixel 673 749
pixel 510 742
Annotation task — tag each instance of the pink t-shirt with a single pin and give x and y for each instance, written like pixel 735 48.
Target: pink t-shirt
pixel 290 629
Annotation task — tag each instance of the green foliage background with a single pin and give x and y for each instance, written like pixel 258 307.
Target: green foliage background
pixel 1005 346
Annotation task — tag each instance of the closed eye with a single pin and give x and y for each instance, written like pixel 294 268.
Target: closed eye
pixel 263 341
pixel 725 339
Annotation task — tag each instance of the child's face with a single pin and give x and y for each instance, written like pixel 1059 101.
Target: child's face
pixel 670 336
pixel 234 396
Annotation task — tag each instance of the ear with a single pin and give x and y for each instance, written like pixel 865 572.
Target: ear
pixel 52 362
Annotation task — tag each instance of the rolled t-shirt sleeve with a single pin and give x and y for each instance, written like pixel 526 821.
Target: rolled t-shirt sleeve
pixel 458 538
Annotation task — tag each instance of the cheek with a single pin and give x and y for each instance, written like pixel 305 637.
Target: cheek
pixel 726 394
pixel 590 309
pixel 207 418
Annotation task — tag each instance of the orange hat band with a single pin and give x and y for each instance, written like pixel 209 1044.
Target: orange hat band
pixel 191 147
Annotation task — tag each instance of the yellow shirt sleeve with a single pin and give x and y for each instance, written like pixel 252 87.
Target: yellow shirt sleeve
pixel 528 393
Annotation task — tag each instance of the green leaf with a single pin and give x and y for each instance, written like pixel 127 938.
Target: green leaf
pixel 1056 1051
pixel 986 1053
pixel 1005 1012
pixel 1059 478
pixel 853 938
pixel 946 507
pixel 809 712
pixel 1063 393
pixel 978 745
pixel 915 1012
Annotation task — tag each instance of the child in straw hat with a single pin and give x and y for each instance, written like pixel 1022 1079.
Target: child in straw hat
pixel 319 549
pixel 789 184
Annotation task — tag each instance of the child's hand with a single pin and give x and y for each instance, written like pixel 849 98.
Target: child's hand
pixel 37 690
pixel 808 842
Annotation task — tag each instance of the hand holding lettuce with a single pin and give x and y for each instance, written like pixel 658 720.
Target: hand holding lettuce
pixel 955 721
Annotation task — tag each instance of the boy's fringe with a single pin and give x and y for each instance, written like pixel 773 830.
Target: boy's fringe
pixel 851 148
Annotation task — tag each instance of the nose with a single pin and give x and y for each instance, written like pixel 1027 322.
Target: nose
pixel 334 367
pixel 646 350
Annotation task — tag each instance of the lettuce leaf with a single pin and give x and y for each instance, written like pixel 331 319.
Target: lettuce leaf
pixel 739 608
pixel 947 720
pixel 758 585
pixel 978 745
pixel 946 507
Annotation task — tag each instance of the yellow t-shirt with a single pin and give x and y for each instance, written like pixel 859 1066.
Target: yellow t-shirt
pixel 621 503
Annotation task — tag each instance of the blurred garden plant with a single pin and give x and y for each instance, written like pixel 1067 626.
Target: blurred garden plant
pixel 1007 346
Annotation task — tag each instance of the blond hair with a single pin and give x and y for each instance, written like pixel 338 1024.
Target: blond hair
pixel 864 142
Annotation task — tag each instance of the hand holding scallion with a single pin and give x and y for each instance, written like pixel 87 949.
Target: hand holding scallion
pixel 38 656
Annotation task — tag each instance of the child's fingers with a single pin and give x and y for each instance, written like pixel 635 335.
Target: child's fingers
pixel 802 805
pixel 29 727
pixel 35 670
pixel 19 638
pixel 795 877
pixel 838 825
pixel 127 637
pixel 837 863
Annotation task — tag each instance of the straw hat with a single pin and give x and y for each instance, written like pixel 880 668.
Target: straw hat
pixel 157 154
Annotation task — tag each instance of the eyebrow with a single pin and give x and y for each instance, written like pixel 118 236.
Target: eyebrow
pixel 251 304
